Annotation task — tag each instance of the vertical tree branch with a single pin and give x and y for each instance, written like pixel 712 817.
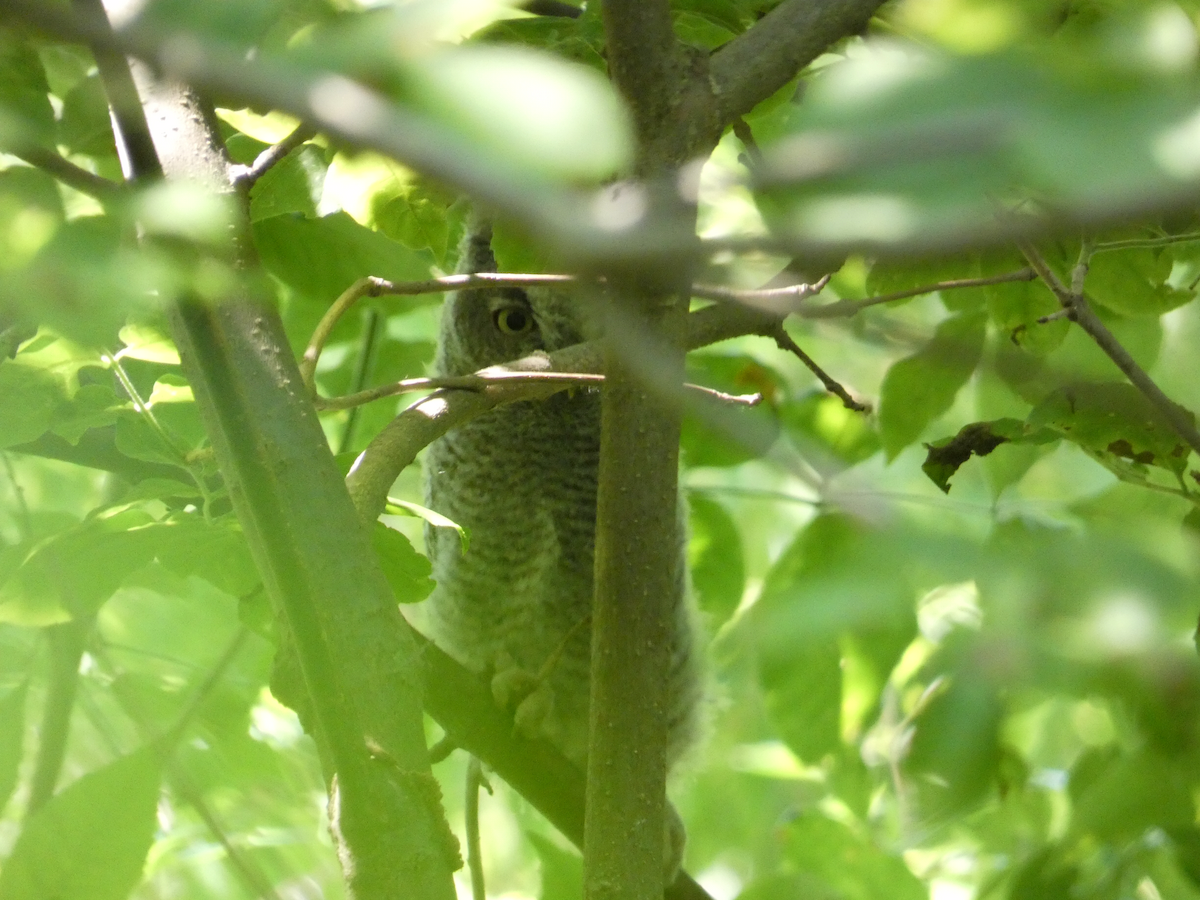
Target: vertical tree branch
pixel 637 526
pixel 360 673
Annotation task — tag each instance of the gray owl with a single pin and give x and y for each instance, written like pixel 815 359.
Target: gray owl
pixel 522 479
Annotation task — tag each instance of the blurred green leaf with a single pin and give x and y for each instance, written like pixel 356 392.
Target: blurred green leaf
pixel 73 572
pixel 715 558
pixel 29 399
pixel 859 871
pixel 919 388
pixel 537 112
pixel 562 870
pixel 715 435
pixel 84 126
pixel 25 112
pixel 90 840
pixel 821 419
pixel 957 740
pixel 1132 794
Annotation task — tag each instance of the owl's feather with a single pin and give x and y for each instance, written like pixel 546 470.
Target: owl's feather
pixel 522 479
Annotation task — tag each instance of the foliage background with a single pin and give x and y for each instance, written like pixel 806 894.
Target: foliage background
pixel 986 693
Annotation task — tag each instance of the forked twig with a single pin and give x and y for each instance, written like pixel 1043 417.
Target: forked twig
pixel 1079 311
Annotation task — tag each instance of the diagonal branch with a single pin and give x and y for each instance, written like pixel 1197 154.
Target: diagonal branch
pixel 760 61
pixel 67 172
pixel 1079 311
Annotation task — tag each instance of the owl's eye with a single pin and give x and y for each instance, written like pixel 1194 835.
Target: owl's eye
pixel 513 320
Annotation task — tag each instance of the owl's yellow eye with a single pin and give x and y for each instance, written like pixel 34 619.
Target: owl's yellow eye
pixel 513 320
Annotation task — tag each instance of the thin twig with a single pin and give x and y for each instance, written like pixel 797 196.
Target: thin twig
pixel 847 308
pixel 205 688
pixel 785 342
pixel 1082 264
pixel 1080 312
pixel 1054 316
pixel 497 375
pixel 67 172
pixel 25 522
pixel 475 780
pixel 1135 243
pixel 143 409
pixel 372 286
pixel 245 176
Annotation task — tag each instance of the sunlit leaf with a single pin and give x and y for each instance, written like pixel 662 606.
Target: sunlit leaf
pixel 407 571
pixel 919 388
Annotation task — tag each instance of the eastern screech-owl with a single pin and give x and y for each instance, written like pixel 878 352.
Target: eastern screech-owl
pixel 522 479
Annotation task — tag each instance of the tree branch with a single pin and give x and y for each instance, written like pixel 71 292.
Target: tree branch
pixel 642 62
pixel 318 569
pixel 843 309
pixel 67 172
pixel 1079 311
pixel 67 643
pixel 245 176
pixel 760 61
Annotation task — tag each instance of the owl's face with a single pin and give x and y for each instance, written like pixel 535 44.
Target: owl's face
pixel 486 328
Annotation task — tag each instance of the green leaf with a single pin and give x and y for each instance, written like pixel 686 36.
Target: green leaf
pixel 1016 306
pixel 919 388
pixel 1116 420
pixel 421 216
pixel 72 573
pixel 25 111
pixel 1134 793
pixel 396 506
pixel 715 558
pixel 1133 282
pixel 216 552
pixel 822 420
pixel 29 399
pixel 957 740
pixel 292 185
pixel 859 870
pixel 514 251
pixel 718 435
pixel 85 127
pixel 891 277
pixel 89 842
pixel 320 258
pixel 803 693
pixel 12 739
pixel 407 570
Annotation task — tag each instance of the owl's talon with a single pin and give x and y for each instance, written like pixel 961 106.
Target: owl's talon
pixel 511 684
pixel 532 712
